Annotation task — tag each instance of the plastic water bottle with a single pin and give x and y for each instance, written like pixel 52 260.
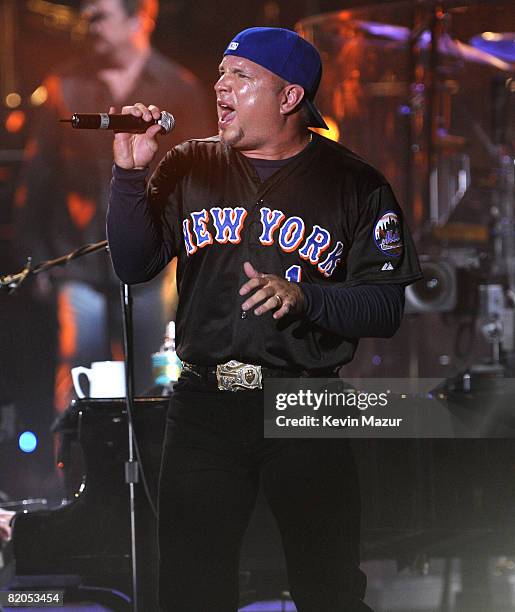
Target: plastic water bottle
pixel 166 366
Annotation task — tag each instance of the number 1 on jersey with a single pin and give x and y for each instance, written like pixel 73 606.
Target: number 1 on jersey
pixel 293 274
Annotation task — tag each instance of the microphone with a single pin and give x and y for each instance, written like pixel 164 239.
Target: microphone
pixel 120 123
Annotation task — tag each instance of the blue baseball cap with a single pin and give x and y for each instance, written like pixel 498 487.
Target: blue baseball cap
pixel 287 55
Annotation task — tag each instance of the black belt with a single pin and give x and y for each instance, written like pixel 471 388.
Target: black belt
pixel 236 376
pixel 210 372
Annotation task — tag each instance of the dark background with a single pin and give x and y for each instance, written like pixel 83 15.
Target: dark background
pixel 418 486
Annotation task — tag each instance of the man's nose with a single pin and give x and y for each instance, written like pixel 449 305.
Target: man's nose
pixel 222 84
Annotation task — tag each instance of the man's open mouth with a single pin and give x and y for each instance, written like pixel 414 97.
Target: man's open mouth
pixel 226 113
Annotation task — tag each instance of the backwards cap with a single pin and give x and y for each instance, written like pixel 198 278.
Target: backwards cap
pixel 287 55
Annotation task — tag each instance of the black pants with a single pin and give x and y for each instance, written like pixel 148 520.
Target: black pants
pixel 213 460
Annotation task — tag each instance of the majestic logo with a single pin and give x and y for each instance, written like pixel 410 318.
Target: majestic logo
pixel 387 266
pixel 387 234
pixel 233 46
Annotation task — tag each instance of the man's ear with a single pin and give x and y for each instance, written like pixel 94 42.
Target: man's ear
pixel 293 95
pixel 142 22
pixel 136 22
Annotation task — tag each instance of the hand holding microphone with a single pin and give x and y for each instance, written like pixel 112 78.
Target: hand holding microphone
pixel 135 129
pixel 136 151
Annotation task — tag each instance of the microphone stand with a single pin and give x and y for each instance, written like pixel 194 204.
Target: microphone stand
pixel 12 282
pixel 132 464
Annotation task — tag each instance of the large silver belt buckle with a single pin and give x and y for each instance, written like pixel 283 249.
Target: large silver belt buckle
pixel 235 376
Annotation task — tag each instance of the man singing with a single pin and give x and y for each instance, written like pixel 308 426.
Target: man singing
pixel 290 248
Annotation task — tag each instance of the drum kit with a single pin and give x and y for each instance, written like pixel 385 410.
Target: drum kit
pixel 424 91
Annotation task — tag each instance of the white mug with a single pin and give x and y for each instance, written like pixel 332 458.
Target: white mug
pixel 106 379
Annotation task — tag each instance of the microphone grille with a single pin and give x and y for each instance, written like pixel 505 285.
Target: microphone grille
pixel 167 121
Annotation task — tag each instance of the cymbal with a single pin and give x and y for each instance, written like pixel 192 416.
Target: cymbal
pixel 384 31
pixel 385 34
pixel 455 48
pixel 499 44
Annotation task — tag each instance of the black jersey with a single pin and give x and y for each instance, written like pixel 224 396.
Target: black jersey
pixel 326 217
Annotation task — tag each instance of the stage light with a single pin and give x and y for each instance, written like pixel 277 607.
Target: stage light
pixel 333 133
pixel 13 99
pixel 39 96
pixel 495 36
pixel 27 442
pixel 15 121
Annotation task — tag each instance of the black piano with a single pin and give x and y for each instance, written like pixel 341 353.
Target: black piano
pixel 84 545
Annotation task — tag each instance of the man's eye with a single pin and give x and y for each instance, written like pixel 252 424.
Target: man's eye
pixel 97 18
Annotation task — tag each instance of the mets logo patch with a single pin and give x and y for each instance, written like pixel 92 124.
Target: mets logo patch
pixel 387 234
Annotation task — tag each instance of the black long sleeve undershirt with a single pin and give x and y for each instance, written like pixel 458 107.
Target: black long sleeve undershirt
pixel 138 254
pixel 361 311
